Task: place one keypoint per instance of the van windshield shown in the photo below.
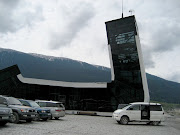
(124, 108)
(120, 106)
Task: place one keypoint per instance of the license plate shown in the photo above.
(32, 115)
(49, 114)
(5, 118)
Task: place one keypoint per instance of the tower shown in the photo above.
(128, 73)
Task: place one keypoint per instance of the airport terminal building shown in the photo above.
(129, 83)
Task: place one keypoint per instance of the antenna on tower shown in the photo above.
(122, 8)
(131, 11)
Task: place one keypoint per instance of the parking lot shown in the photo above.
(90, 125)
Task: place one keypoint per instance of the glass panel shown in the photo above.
(155, 108)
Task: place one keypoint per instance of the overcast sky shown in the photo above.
(76, 29)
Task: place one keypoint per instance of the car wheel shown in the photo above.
(28, 120)
(155, 123)
(56, 118)
(37, 118)
(2, 123)
(15, 117)
(124, 120)
(44, 119)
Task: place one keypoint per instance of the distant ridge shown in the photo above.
(64, 69)
(53, 68)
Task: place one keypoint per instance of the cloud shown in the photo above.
(163, 37)
(16, 14)
(159, 29)
(73, 22)
(175, 77)
(6, 12)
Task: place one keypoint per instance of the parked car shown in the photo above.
(5, 112)
(20, 112)
(57, 108)
(152, 113)
(42, 113)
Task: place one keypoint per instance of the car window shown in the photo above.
(134, 107)
(3, 101)
(121, 106)
(60, 105)
(33, 104)
(49, 104)
(155, 108)
(42, 104)
(14, 101)
(144, 107)
(25, 103)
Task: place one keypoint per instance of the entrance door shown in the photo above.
(145, 112)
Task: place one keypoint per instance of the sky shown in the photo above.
(75, 29)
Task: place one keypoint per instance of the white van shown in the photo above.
(152, 113)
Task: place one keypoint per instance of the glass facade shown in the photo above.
(121, 37)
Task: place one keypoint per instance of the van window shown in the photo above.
(155, 108)
(120, 106)
(134, 107)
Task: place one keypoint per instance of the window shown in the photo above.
(127, 37)
(155, 108)
(33, 104)
(14, 101)
(25, 103)
(42, 104)
(54, 105)
(3, 101)
(134, 107)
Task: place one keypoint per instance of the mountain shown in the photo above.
(53, 68)
(63, 69)
(163, 90)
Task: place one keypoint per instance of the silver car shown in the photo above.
(57, 108)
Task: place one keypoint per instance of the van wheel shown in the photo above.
(155, 123)
(15, 118)
(124, 120)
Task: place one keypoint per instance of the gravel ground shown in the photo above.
(90, 125)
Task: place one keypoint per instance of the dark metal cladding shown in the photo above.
(128, 85)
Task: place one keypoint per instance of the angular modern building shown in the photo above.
(128, 76)
(126, 60)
